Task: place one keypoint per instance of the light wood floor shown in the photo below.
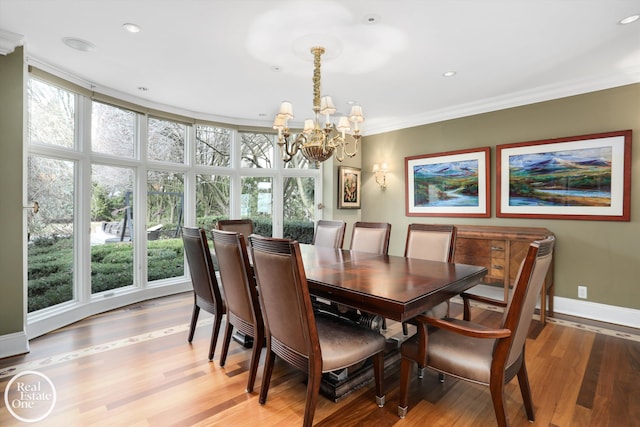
(134, 367)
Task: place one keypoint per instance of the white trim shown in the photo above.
(40, 326)
(572, 307)
(595, 311)
(13, 344)
(9, 42)
(511, 100)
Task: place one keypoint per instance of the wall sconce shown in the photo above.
(381, 174)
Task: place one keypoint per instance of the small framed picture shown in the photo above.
(349, 185)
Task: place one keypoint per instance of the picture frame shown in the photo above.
(451, 184)
(349, 187)
(586, 177)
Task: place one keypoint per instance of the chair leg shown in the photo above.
(194, 321)
(405, 372)
(313, 390)
(466, 310)
(525, 390)
(214, 335)
(266, 375)
(378, 373)
(497, 395)
(228, 333)
(258, 339)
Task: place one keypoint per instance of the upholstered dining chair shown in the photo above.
(312, 343)
(479, 354)
(433, 242)
(329, 233)
(241, 296)
(371, 237)
(206, 292)
(244, 226)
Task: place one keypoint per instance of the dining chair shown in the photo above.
(244, 226)
(206, 292)
(479, 354)
(241, 296)
(371, 237)
(329, 233)
(313, 343)
(433, 242)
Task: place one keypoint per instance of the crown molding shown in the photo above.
(9, 41)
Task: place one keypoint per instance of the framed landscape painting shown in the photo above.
(349, 186)
(582, 177)
(454, 183)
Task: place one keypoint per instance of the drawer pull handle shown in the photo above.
(498, 267)
(497, 248)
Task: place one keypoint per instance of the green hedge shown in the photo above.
(50, 261)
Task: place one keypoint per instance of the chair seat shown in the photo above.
(342, 342)
(456, 354)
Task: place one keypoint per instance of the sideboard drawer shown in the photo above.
(500, 250)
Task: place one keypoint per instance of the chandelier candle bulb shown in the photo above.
(315, 142)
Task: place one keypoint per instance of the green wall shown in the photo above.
(11, 249)
(603, 255)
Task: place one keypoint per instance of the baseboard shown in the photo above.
(595, 311)
(40, 324)
(577, 308)
(13, 344)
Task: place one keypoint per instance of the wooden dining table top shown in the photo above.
(394, 287)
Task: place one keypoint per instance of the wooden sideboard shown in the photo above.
(501, 250)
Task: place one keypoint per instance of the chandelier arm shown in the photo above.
(356, 139)
(316, 142)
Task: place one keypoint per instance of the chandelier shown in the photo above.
(318, 141)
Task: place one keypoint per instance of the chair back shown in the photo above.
(243, 226)
(433, 242)
(203, 276)
(521, 305)
(371, 237)
(329, 233)
(285, 301)
(239, 285)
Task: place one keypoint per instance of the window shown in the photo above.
(113, 130)
(134, 181)
(51, 115)
(213, 146)
(165, 210)
(51, 258)
(212, 199)
(166, 140)
(111, 227)
(257, 150)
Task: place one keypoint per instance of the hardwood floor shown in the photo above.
(134, 367)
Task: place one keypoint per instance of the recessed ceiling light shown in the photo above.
(79, 44)
(132, 28)
(629, 19)
(449, 74)
(371, 19)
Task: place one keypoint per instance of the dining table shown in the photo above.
(393, 287)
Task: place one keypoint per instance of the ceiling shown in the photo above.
(236, 60)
